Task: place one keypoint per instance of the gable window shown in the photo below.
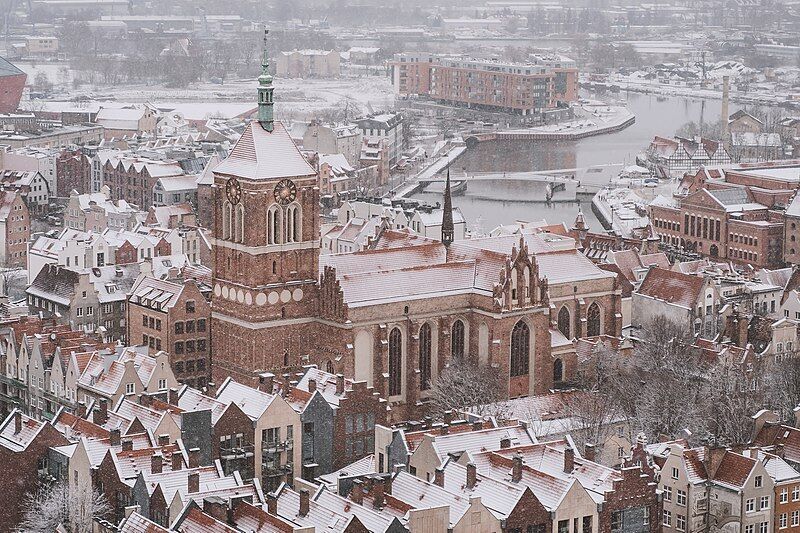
(130, 388)
(758, 481)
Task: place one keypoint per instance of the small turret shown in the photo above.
(265, 90)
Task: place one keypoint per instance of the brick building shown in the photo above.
(393, 316)
(543, 83)
(15, 230)
(173, 315)
(12, 83)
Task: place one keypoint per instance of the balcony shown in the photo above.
(242, 452)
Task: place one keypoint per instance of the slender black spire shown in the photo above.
(448, 230)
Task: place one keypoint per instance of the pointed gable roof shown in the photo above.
(263, 155)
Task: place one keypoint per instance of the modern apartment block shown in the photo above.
(543, 83)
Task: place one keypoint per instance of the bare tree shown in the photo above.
(464, 386)
(58, 504)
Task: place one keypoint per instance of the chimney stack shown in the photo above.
(726, 93)
(145, 400)
(266, 381)
(569, 460)
(312, 386)
(516, 469)
(589, 452)
(115, 436)
(304, 502)
(80, 412)
(156, 463)
(127, 445)
(357, 492)
(17, 422)
(216, 507)
(505, 443)
(438, 477)
(339, 383)
(194, 457)
(377, 494)
(448, 417)
(172, 397)
(101, 413)
(477, 426)
(445, 430)
(193, 484)
(472, 475)
(163, 440)
(177, 460)
(272, 504)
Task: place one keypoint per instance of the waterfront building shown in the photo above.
(308, 64)
(674, 157)
(544, 82)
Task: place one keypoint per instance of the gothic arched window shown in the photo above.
(565, 322)
(292, 224)
(274, 225)
(520, 349)
(329, 367)
(558, 371)
(457, 340)
(226, 220)
(425, 357)
(593, 320)
(239, 230)
(395, 362)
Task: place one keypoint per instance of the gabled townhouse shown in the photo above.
(741, 492)
(300, 509)
(15, 229)
(96, 212)
(24, 445)
(31, 186)
(277, 426)
(374, 520)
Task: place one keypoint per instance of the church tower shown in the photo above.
(265, 246)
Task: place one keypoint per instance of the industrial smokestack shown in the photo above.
(726, 94)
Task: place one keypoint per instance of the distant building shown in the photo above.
(545, 82)
(31, 186)
(12, 83)
(343, 139)
(15, 230)
(387, 128)
(41, 160)
(674, 157)
(308, 64)
(127, 121)
(96, 212)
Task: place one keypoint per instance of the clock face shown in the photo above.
(285, 192)
(233, 190)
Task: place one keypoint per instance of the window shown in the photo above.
(178, 328)
(667, 493)
(201, 325)
(189, 327)
(796, 493)
(795, 518)
(680, 522)
(558, 375)
(130, 388)
(79, 311)
(90, 311)
(784, 497)
(750, 528)
(565, 322)
(616, 520)
(667, 521)
(593, 320)
(674, 473)
(201, 346)
(162, 384)
(681, 497)
(758, 481)
(190, 306)
(189, 346)
(764, 503)
(425, 357)
(395, 362)
(750, 505)
(520, 349)
(158, 324)
(144, 320)
(457, 340)
(763, 527)
(587, 524)
(563, 526)
(178, 348)
(783, 521)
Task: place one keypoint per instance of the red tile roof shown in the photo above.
(672, 287)
(734, 469)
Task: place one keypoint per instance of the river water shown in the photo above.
(655, 115)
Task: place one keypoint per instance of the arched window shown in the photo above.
(274, 225)
(558, 371)
(329, 367)
(425, 357)
(395, 362)
(457, 340)
(239, 231)
(593, 320)
(297, 223)
(565, 322)
(226, 220)
(520, 349)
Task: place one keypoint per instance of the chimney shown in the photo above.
(357, 492)
(713, 458)
(266, 381)
(80, 412)
(172, 397)
(589, 452)
(438, 477)
(194, 457)
(216, 507)
(339, 383)
(472, 475)
(505, 443)
(477, 426)
(156, 463)
(127, 445)
(448, 417)
(211, 388)
(444, 430)
(193, 483)
(304, 502)
(377, 494)
(312, 386)
(177, 460)
(115, 436)
(101, 413)
(17, 422)
(726, 91)
(145, 400)
(272, 504)
(569, 460)
(516, 469)
(779, 450)
(163, 440)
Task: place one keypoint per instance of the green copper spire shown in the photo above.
(265, 101)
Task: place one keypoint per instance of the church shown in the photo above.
(395, 315)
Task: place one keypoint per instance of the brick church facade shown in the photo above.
(393, 316)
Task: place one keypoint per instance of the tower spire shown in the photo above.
(448, 229)
(265, 89)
